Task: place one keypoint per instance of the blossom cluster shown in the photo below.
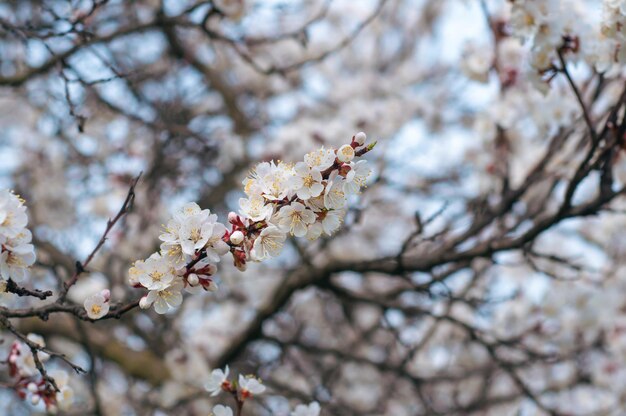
(305, 199)
(559, 25)
(17, 254)
(30, 384)
(244, 388)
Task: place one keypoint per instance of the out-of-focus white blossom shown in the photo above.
(249, 386)
(17, 254)
(221, 410)
(311, 409)
(217, 381)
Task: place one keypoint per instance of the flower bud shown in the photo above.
(360, 138)
(236, 238)
(233, 218)
(106, 294)
(32, 387)
(345, 153)
(35, 399)
(144, 303)
(192, 279)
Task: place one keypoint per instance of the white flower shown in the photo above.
(312, 409)
(97, 305)
(314, 232)
(22, 356)
(189, 230)
(215, 246)
(17, 255)
(360, 138)
(332, 221)
(65, 395)
(307, 182)
(155, 273)
(166, 299)
(316, 204)
(13, 216)
(477, 61)
(268, 243)
(320, 159)
(250, 386)
(220, 410)
(255, 208)
(217, 380)
(334, 195)
(273, 179)
(295, 218)
(345, 153)
(194, 233)
(355, 179)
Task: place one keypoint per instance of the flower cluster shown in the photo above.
(559, 26)
(303, 199)
(192, 243)
(17, 251)
(244, 388)
(30, 384)
(306, 199)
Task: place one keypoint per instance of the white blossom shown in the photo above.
(334, 195)
(320, 159)
(355, 179)
(307, 181)
(155, 273)
(268, 243)
(255, 208)
(166, 299)
(221, 410)
(312, 409)
(332, 221)
(250, 386)
(65, 395)
(295, 218)
(17, 255)
(217, 380)
(97, 305)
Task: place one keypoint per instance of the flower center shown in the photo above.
(95, 309)
(196, 235)
(156, 275)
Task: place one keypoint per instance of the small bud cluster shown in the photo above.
(305, 199)
(17, 254)
(30, 384)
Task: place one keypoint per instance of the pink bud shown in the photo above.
(233, 218)
(106, 294)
